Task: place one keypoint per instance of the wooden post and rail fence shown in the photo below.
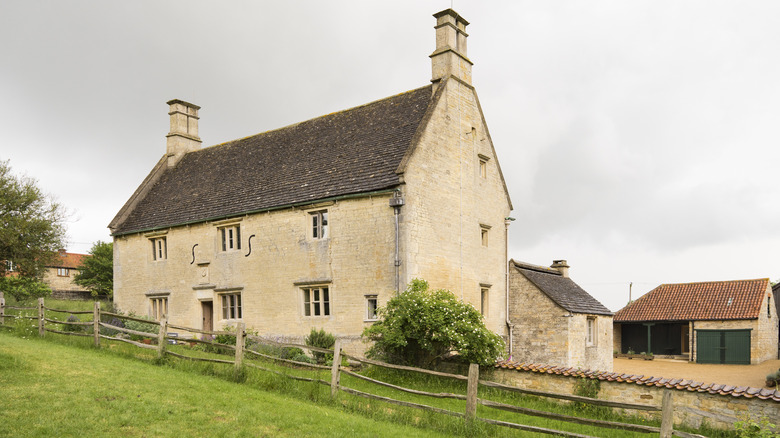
(165, 338)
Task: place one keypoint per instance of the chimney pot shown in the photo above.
(562, 267)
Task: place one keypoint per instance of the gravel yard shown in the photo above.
(737, 375)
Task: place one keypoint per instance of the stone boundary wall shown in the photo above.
(694, 404)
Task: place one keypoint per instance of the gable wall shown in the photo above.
(57, 283)
(357, 259)
(447, 200)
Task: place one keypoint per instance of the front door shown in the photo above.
(208, 315)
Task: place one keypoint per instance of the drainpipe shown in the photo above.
(396, 202)
(508, 220)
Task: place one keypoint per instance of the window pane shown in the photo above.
(306, 303)
(324, 224)
(224, 243)
(326, 309)
(238, 237)
(154, 251)
(238, 305)
(314, 226)
(316, 306)
(224, 307)
(371, 308)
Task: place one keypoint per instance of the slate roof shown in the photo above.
(67, 260)
(348, 152)
(711, 300)
(563, 291)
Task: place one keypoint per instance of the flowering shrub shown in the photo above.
(420, 327)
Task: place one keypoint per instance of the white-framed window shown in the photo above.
(591, 331)
(484, 233)
(319, 224)
(231, 306)
(63, 272)
(484, 300)
(316, 301)
(371, 306)
(159, 248)
(230, 237)
(9, 265)
(158, 307)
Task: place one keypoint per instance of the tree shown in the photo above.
(420, 327)
(96, 273)
(31, 232)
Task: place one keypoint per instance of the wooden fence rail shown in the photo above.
(240, 351)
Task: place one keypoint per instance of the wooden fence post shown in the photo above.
(96, 323)
(41, 329)
(471, 392)
(161, 337)
(335, 370)
(667, 415)
(240, 333)
(2, 308)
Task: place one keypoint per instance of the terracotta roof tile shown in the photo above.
(712, 300)
(677, 384)
(67, 260)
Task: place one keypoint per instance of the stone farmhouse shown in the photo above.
(59, 275)
(554, 321)
(731, 322)
(316, 224)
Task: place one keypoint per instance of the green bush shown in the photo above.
(146, 327)
(303, 358)
(24, 288)
(322, 339)
(749, 427)
(420, 327)
(73, 328)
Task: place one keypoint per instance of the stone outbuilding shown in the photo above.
(316, 224)
(59, 275)
(554, 321)
(722, 322)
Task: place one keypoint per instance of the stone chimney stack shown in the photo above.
(183, 137)
(562, 267)
(449, 58)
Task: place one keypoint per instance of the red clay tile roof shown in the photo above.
(679, 384)
(67, 260)
(712, 300)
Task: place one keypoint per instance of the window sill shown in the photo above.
(370, 320)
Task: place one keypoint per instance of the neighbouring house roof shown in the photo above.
(562, 290)
(344, 153)
(67, 260)
(711, 300)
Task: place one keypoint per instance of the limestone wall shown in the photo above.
(691, 408)
(449, 202)
(64, 283)
(354, 261)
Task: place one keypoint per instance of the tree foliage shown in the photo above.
(24, 288)
(420, 327)
(31, 225)
(96, 273)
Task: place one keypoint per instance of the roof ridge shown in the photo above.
(310, 120)
(714, 281)
(538, 268)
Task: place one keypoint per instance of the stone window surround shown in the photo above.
(372, 304)
(159, 241)
(228, 235)
(484, 233)
(591, 331)
(231, 303)
(318, 224)
(323, 303)
(156, 299)
(484, 299)
(483, 160)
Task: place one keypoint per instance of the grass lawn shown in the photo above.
(58, 390)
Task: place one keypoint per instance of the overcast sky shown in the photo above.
(639, 139)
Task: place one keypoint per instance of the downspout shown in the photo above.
(509, 324)
(396, 202)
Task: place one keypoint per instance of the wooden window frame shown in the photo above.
(591, 331)
(372, 304)
(159, 248)
(232, 306)
(319, 225)
(230, 238)
(316, 301)
(63, 272)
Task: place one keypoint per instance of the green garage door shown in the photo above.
(723, 346)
